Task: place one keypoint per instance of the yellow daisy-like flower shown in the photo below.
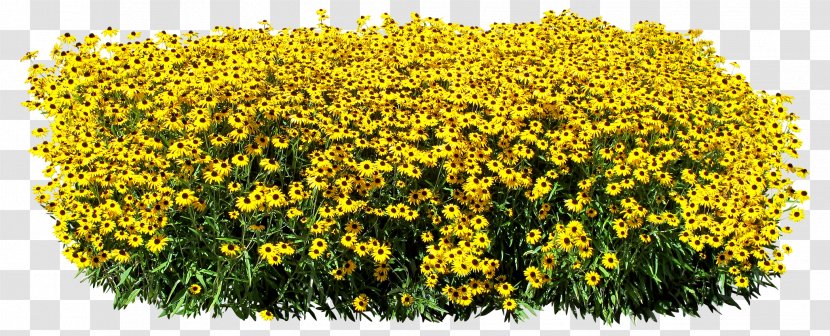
(533, 236)
(532, 273)
(509, 304)
(609, 260)
(317, 248)
(361, 302)
(230, 250)
(796, 215)
(565, 242)
(274, 260)
(504, 289)
(133, 35)
(270, 165)
(592, 278)
(741, 281)
(120, 256)
(407, 299)
(348, 239)
(245, 204)
(267, 250)
(427, 237)
(135, 240)
(157, 243)
(548, 261)
(266, 315)
(195, 289)
(240, 160)
(338, 273)
(186, 197)
(451, 211)
(382, 254)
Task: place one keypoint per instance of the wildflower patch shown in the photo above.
(415, 171)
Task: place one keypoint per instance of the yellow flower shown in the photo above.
(451, 211)
(317, 248)
(796, 215)
(134, 35)
(266, 315)
(29, 55)
(532, 273)
(382, 254)
(270, 165)
(338, 273)
(504, 289)
(509, 304)
(240, 160)
(230, 250)
(565, 242)
(592, 278)
(741, 281)
(267, 250)
(407, 299)
(157, 243)
(548, 261)
(426, 237)
(135, 240)
(361, 303)
(533, 236)
(245, 204)
(186, 197)
(609, 260)
(195, 289)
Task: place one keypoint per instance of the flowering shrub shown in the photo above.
(416, 171)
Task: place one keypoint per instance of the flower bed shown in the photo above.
(416, 171)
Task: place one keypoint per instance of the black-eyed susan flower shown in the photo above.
(609, 260)
(245, 204)
(338, 273)
(592, 278)
(186, 197)
(382, 254)
(267, 250)
(266, 315)
(509, 304)
(317, 248)
(157, 243)
(533, 236)
(230, 250)
(195, 289)
(427, 237)
(361, 302)
(504, 289)
(796, 215)
(548, 261)
(407, 299)
(741, 281)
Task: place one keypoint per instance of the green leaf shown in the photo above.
(246, 257)
(172, 290)
(180, 302)
(124, 275)
(132, 296)
(201, 279)
(164, 265)
(435, 307)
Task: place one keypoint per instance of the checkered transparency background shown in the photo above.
(781, 46)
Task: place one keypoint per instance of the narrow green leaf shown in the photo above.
(132, 296)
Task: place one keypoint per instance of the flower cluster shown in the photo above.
(428, 169)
